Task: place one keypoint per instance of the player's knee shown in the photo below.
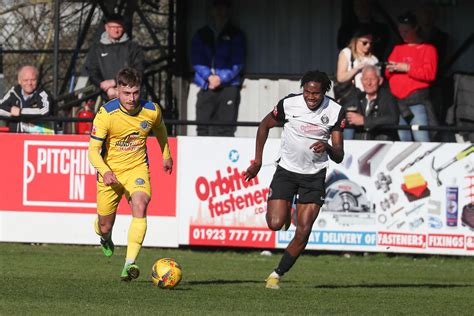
(275, 223)
(139, 205)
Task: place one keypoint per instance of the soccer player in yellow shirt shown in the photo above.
(117, 149)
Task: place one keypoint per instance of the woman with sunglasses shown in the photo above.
(350, 63)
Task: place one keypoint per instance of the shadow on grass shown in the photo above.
(217, 282)
(377, 286)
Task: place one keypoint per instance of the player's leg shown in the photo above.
(140, 192)
(311, 189)
(103, 227)
(108, 198)
(307, 214)
(277, 213)
(282, 190)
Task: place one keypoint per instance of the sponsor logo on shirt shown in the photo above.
(314, 130)
(130, 143)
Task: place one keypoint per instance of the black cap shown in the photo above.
(363, 30)
(117, 18)
(408, 18)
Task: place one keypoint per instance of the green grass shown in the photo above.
(79, 280)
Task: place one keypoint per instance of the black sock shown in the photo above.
(286, 262)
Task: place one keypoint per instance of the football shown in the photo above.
(166, 273)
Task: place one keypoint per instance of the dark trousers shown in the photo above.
(221, 105)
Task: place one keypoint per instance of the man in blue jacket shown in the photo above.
(218, 53)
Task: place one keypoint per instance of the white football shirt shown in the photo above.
(302, 128)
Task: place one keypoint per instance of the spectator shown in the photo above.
(114, 51)
(217, 56)
(363, 13)
(412, 67)
(27, 99)
(377, 107)
(351, 61)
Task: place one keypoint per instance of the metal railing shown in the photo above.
(177, 122)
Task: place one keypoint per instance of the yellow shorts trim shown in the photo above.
(131, 181)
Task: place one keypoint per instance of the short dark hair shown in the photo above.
(317, 76)
(115, 17)
(129, 77)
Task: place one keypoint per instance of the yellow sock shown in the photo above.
(136, 234)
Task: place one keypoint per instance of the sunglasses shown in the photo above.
(365, 43)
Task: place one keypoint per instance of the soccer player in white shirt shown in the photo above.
(309, 120)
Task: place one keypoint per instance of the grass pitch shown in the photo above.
(79, 280)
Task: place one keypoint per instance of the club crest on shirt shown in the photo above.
(324, 119)
(144, 124)
(139, 181)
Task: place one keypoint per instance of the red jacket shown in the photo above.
(423, 61)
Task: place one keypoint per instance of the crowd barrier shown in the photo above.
(384, 197)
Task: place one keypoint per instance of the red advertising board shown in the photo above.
(446, 241)
(231, 236)
(470, 243)
(403, 240)
(51, 173)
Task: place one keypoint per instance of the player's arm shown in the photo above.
(336, 150)
(162, 135)
(98, 136)
(268, 122)
(97, 161)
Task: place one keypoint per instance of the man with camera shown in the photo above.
(376, 107)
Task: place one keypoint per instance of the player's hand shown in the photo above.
(15, 111)
(319, 147)
(354, 118)
(252, 171)
(109, 178)
(168, 165)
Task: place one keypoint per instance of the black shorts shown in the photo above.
(308, 188)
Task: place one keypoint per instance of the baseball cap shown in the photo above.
(408, 18)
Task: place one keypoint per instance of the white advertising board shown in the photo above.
(384, 197)
(216, 206)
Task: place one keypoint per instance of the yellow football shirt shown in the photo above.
(118, 138)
